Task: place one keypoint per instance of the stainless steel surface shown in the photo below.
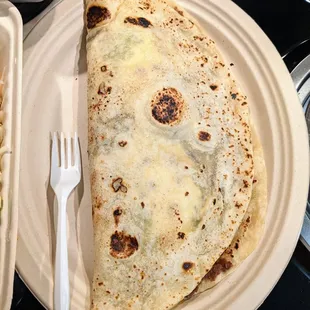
(301, 78)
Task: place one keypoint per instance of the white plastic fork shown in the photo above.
(65, 176)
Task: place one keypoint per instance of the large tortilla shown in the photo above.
(170, 151)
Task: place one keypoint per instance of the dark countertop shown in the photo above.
(286, 22)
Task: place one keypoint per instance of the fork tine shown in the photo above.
(55, 152)
(69, 151)
(62, 150)
(77, 156)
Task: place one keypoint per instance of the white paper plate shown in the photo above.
(55, 99)
(11, 74)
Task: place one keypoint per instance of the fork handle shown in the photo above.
(61, 284)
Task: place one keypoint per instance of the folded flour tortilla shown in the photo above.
(170, 152)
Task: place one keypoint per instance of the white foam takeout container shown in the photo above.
(11, 75)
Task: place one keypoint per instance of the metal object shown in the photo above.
(301, 78)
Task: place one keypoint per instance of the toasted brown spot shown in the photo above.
(181, 235)
(123, 245)
(117, 184)
(122, 143)
(167, 106)
(96, 14)
(204, 136)
(214, 201)
(104, 68)
(221, 265)
(187, 193)
(245, 183)
(238, 205)
(248, 219)
(138, 21)
(117, 213)
(213, 87)
(100, 283)
(203, 226)
(187, 266)
(234, 96)
(236, 245)
(179, 11)
(142, 204)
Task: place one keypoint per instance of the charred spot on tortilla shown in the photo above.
(104, 68)
(204, 136)
(221, 265)
(238, 205)
(213, 87)
(187, 266)
(123, 245)
(122, 143)
(117, 184)
(181, 235)
(96, 14)
(179, 11)
(245, 183)
(233, 96)
(138, 21)
(168, 106)
(117, 213)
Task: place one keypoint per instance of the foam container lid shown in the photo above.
(10, 122)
